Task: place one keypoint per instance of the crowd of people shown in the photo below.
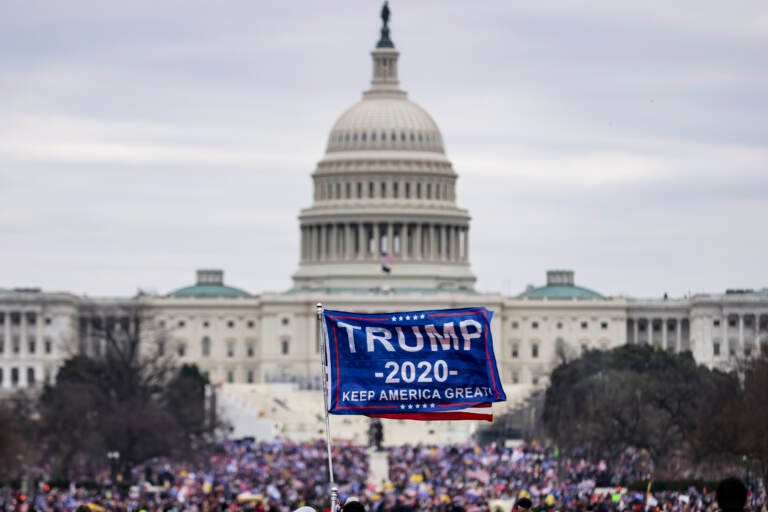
(283, 476)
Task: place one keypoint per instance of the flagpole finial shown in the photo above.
(319, 308)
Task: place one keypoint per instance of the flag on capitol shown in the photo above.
(420, 365)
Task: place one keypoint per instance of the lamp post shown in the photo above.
(114, 458)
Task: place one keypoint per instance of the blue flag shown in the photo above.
(424, 365)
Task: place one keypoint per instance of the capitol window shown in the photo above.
(373, 136)
(349, 190)
(603, 325)
(383, 189)
(359, 190)
(402, 136)
(230, 349)
(716, 349)
(418, 191)
(584, 325)
(206, 349)
(535, 351)
(407, 190)
(395, 190)
(363, 137)
(515, 350)
(534, 325)
(716, 322)
(429, 191)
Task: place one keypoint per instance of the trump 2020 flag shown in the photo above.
(422, 365)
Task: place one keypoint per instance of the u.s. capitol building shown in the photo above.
(384, 232)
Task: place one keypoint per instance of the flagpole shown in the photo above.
(324, 363)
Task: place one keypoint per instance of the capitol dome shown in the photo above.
(385, 122)
(384, 213)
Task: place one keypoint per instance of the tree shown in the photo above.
(749, 416)
(116, 399)
(633, 396)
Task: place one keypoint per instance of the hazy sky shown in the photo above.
(624, 140)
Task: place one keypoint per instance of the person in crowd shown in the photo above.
(523, 505)
(731, 495)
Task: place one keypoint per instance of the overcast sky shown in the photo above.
(142, 140)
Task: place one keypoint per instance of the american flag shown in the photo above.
(386, 261)
(478, 412)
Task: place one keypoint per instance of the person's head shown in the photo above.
(83, 508)
(523, 504)
(352, 504)
(731, 495)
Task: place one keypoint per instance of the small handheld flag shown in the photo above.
(422, 365)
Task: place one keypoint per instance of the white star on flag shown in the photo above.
(407, 317)
(410, 406)
(401, 318)
(394, 318)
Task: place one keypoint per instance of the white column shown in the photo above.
(466, 243)
(348, 242)
(22, 334)
(724, 326)
(636, 331)
(391, 238)
(433, 242)
(741, 335)
(664, 333)
(361, 241)
(7, 338)
(456, 243)
(444, 243)
(406, 251)
(679, 337)
(417, 242)
(323, 239)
